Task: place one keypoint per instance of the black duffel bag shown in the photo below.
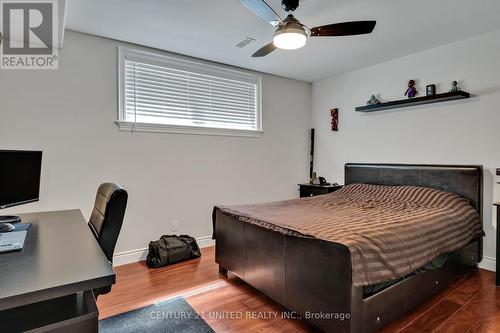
(170, 249)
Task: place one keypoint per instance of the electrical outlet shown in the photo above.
(175, 226)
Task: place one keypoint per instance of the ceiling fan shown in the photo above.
(291, 34)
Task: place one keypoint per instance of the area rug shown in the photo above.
(174, 315)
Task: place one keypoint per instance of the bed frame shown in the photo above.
(313, 277)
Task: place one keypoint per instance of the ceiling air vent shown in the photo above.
(245, 42)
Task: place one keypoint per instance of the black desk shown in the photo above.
(59, 265)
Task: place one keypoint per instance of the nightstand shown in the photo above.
(309, 190)
(498, 242)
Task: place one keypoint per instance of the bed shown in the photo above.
(315, 277)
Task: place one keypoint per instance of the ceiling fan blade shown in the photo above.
(263, 10)
(344, 29)
(264, 51)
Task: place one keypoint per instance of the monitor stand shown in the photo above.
(10, 219)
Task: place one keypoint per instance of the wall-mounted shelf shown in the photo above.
(450, 96)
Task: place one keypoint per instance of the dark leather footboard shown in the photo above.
(308, 276)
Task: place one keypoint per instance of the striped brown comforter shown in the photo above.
(390, 231)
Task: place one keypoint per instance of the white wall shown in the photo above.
(460, 132)
(69, 114)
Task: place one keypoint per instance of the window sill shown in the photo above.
(178, 129)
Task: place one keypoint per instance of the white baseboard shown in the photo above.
(128, 257)
(206, 241)
(488, 264)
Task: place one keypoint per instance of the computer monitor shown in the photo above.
(19, 177)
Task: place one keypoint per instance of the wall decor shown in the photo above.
(312, 174)
(411, 91)
(373, 101)
(430, 90)
(335, 119)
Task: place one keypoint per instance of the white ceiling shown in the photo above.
(210, 29)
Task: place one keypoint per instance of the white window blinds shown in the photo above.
(194, 95)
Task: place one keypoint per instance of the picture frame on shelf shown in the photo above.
(430, 90)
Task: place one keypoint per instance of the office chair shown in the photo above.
(106, 221)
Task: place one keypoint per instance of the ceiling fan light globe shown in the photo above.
(290, 38)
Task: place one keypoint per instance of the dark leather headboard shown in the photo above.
(465, 180)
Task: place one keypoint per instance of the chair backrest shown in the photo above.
(107, 216)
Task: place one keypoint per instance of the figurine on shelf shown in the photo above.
(454, 86)
(373, 101)
(411, 91)
(314, 179)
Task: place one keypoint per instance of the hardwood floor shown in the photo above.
(137, 285)
(470, 305)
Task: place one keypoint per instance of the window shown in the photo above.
(166, 94)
